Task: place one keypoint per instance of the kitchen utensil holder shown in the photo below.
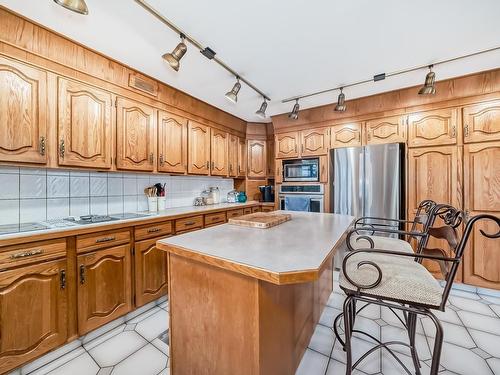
(153, 204)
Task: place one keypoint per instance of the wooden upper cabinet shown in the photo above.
(242, 157)
(33, 312)
(104, 287)
(84, 115)
(314, 142)
(345, 135)
(150, 272)
(386, 130)
(287, 145)
(432, 174)
(482, 196)
(135, 135)
(219, 153)
(23, 113)
(198, 148)
(433, 128)
(233, 156)
(172, 143)
(481, 122)
(270, 158)
(257, 160)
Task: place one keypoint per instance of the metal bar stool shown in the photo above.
(394, 279)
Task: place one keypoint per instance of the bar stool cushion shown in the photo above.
(381, 243)
(403, 279)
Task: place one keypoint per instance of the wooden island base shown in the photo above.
(223, 322)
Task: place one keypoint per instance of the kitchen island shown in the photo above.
(246, 300)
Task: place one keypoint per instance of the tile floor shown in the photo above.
(139, 345)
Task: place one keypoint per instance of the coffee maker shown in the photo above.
(267, 193)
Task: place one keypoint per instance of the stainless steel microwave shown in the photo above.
(301, 170)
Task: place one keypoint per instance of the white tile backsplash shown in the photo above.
(34, 194)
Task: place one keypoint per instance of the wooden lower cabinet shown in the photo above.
(33, 312)
(266, 208)
(482, 196)
(150, 272)
(104, 287)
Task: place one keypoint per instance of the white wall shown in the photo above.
(29, 194)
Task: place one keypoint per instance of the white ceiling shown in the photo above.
(285, 47)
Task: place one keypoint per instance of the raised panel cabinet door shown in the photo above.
(198, 148)
(314, 142)
(386, 130)
(104, 287)
(242, 157)
(433, 174)
(84, 125)
(219, 153)
(270, 158)
(233, 156)
(482, 195)
(433, 128)
(172, 143)
(345, 135)
(33, 312)
(481, 122)
(23, 113)
(135, 135)
(287, 145)
(257, 158)
(150, 272)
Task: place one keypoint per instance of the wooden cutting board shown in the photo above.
(261, 220)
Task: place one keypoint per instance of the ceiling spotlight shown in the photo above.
(175, 57)
(341, 106)
(428, 87)
(294, 115)
(262, 110)
(232, 95)
(77, 6)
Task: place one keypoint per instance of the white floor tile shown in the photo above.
(392, 367)
(147, 313)
(312, 363)
(153, 325)
(462, 361)
(391, 333)
(367, 325)
(63, 354)
(475, 306)
(494, 364)
(480, 322)
(322, 340)
(160, 345)
(74, 363)
(370, 364)
(147, 361)
(455, 334)
(117, 348)
(486, 341)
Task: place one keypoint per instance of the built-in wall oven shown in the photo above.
(301, 170)
(314, 193)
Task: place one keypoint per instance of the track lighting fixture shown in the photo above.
(176, 55)
(294, 115)
(232, 95)
(77, 6)
(262, 110)
(341, 107)
(428, 87)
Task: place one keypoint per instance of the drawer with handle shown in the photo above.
(256, 209)
(93, 241)
(235, 213)
(189, 223)
(153, 230)
(213, 219)
(14, 256)
(247, 210)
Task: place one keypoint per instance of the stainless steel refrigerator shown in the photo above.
(368, 181)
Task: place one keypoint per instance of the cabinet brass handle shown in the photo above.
(466, 130)
(82, 274)
(63, 279)
(154, 230)
(453, 131)
(151, 158)
(105, 239)
(161, 159)
(42, 146)
(208, 164)
(25, 254)
(189, 223)
(62, 148)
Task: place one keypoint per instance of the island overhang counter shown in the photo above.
(246, 300)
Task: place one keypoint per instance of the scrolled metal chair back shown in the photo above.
(423, 214)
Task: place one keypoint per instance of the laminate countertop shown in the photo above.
(292, 252)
